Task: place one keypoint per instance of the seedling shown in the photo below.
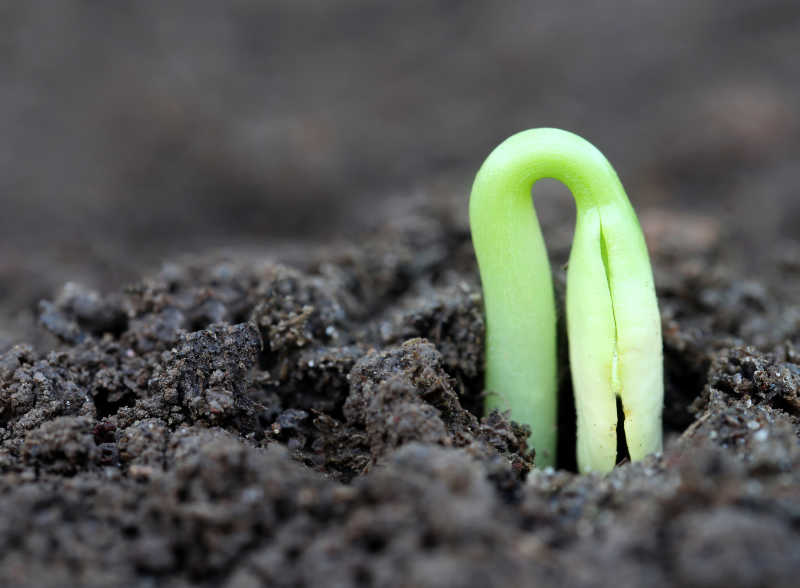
(613, 324)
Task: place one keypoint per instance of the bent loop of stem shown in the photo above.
(613, 324)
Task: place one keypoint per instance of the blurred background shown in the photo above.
(131, 133)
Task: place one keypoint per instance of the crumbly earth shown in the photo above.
(245, 422)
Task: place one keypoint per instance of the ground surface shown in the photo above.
(246, 422)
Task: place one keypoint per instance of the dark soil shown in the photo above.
(243, 422)
(306, 410)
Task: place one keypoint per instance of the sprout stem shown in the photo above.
(613, 324)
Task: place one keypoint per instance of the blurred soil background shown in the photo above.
(133, 134)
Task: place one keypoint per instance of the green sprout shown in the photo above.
(613, 323)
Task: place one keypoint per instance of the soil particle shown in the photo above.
(742, 372)
(451, 317)
(79, 312)
(202, 379)
(403, 394)
(64, 445)
(407, 386)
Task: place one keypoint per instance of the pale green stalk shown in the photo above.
(613, 324)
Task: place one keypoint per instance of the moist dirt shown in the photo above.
(315, 420)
